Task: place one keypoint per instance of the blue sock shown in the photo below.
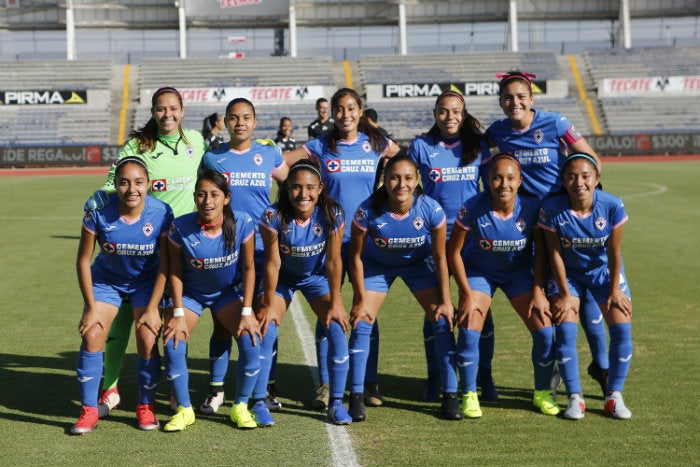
(468, 357)
(373, 357)
(147, 375)
(247, 368)
(338, 360)
(273, 366)
(89, 371)
(620, 355)
(176, 371)
(594, 326)
(429, 344)
(219, 354)
(266, 348)
(487, 343)
(567, 356)
(321, 353)
(543, 356)
(445, 354)
(358, 347)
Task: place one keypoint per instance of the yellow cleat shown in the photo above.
(470, 405)
(242, 417)
(543, 401)
(181, 420)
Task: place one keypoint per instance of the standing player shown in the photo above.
(250, 168)
(449, 157)
(212, 125)
(324, 122)
(211, 265)
(172, 155)
(133, 263)
(349, 157)
(540, 141)
(499, 230)
(284, 139)
(583, 229)
(302, 235)
(399, 232)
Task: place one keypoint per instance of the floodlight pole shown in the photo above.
(403, 48)
(512, 26)
(292, 29)
(70, 31)
(182, 20)
(624, 38)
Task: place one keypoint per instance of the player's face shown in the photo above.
(241, 122)
(210, 201)
(168, 113)
(401, 181)
(287, 128)
(132, 185)
(324, 111)
(504, 180)
(449, 114)
(580, 179)
(515, 101)
(347, 116)
(304, 188)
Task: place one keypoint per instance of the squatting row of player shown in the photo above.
(181, 227)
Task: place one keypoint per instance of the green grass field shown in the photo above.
(39, 401)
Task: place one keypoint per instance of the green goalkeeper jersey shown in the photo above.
(172, 168)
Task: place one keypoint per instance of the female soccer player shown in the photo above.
(449, 158)
(399, 232)
(132, 262)
(172, 154)
(583, 230)
(212, 125)
(349, 157)
(302, 235)
(211, 265)
(491, 247)
(540, 141)
(284, 139)
(250, 168)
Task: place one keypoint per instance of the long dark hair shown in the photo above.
(208, 124)
(325, 203)
(229, 224)
(380, 195)
(280, 135)
(147, 135)
(470, 133)
(376, 139)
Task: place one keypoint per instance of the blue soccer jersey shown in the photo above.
(302, 246)
(207, 268)
(583, 239)
(347, 174)
(395, 241)
(128, 249)
(501, 246)
(538, 148)
(444, 177)
(249, 174)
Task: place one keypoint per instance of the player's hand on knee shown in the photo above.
(96, 201)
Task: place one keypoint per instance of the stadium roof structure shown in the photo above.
(165, 14)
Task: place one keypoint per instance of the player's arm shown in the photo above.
(248, 323)
(539, 303)
(151, 317)
(273, 261)
(175, 325)
(86, 248)
(466, 304)
(357, 275)
(290, 157)
(617, 297)
(334, 273)
(438, 238)
(561, 303)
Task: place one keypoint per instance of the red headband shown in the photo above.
(163, 91)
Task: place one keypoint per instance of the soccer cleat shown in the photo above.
(555, 381)
(431, 393)
(181, 420)
(212, 403)
(576, 408)
(146, 417)
(615, 406)
(271, 399)
(337, 414)
(108, 400)
(600, 375)
(451, 409)
(357, 407)
(372, 396)
(320, 402)
(240, 415)
(470, 405)
(488, 387)
(261, 414)
(543, 401)
(86, 422)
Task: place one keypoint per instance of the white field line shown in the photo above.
(343, 455)
(656, 189)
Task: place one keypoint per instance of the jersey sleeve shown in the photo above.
(566, 131)
(174, 235)
(544, 218)
(464, 216)
(270, 219)
(245, 224)
(437, 214)
(362, 215)
(168, 219)
(90, 222)
(618, 213)
(338, 220)
(315, 148)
